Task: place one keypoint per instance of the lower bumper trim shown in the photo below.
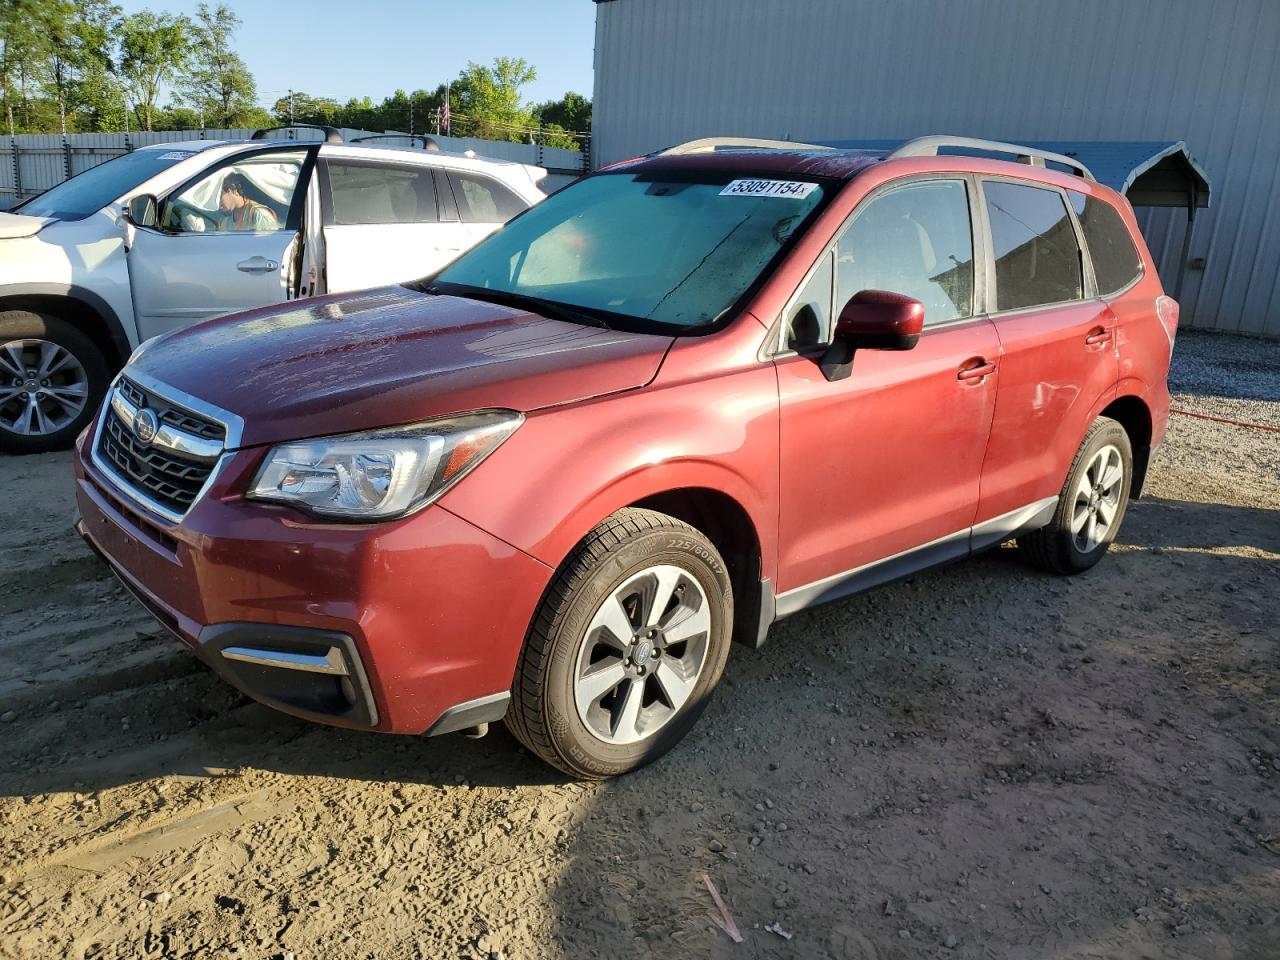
(473, 713)
(309, 673)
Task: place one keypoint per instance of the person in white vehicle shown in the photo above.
(176, 233)
(241, 212)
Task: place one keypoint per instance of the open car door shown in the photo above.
(227, 241)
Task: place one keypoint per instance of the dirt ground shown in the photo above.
(978, 762)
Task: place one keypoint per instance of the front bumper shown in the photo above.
(410, 626)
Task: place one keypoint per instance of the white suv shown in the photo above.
(172, 234)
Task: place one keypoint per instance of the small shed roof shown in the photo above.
(1149, 173)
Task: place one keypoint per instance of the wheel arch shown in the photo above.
(1132, 413)
(82, 308)
(717, 502)
(728, 525)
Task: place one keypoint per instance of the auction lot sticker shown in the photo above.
(769, 188)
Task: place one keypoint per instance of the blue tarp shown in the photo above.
(1150, 173)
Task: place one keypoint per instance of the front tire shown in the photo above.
(1091, 506)
(52, 378)
(626, 648)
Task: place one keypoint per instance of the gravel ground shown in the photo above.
(978, 762)
(1233, 377)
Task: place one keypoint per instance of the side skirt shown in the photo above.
(954, 546)
(1015, 523)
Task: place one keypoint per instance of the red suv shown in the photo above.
(685, 397)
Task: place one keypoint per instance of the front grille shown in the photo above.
(176, 417)
(164, 477)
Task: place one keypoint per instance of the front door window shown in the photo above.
(915, 240)
(252, 195)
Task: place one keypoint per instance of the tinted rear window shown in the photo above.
(1034, 244)
(376, 193)
(1116, 263)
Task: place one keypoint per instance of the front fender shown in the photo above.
(568, 468)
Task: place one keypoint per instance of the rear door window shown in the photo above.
(1116, 263)
(481, 200)
(366, 193)
(1033, 241)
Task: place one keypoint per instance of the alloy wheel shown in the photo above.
(642, 654)
(43, 387)
(1097, 499)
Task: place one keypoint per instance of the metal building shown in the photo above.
(1203, 71)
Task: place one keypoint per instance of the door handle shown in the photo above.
(257, 265)
(979, 370)
(1098, 335)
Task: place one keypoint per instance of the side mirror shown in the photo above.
(142, 211)
(872, 320)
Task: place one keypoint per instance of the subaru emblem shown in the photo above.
(145, 425)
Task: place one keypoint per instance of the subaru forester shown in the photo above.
(687, 396)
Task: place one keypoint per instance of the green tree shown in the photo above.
(426, 106)
(361, 113)
(304, 108)
(58, 65)
(177, 117)
(154, 48)
(486, 100)
(217, 84)
(99, 95)
(571, 112)
(24, 47)
(77, 68)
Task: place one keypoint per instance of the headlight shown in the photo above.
(383, 473)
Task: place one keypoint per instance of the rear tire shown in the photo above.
(626, 648)
(52, 378)
(1091, 506)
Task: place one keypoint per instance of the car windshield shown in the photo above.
(89, 192)
(642, 250)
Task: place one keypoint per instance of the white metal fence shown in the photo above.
(32, 163)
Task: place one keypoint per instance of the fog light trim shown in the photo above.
(331, 663)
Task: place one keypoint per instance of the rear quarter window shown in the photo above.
(1116, 262)
(481, 200)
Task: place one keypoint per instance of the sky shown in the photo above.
(343, 49)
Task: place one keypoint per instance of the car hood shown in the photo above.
(14, 225)
(390, 356)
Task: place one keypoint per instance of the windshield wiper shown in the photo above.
(549, 308)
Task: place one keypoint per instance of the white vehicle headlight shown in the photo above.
(383, 473)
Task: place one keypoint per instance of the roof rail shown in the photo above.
(428, 143)
(712, 144)
(929, 147)
(331, 134)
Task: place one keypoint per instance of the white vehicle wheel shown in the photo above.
(52, 378)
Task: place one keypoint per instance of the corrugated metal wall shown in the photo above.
(31, 163)
(1204, 71)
